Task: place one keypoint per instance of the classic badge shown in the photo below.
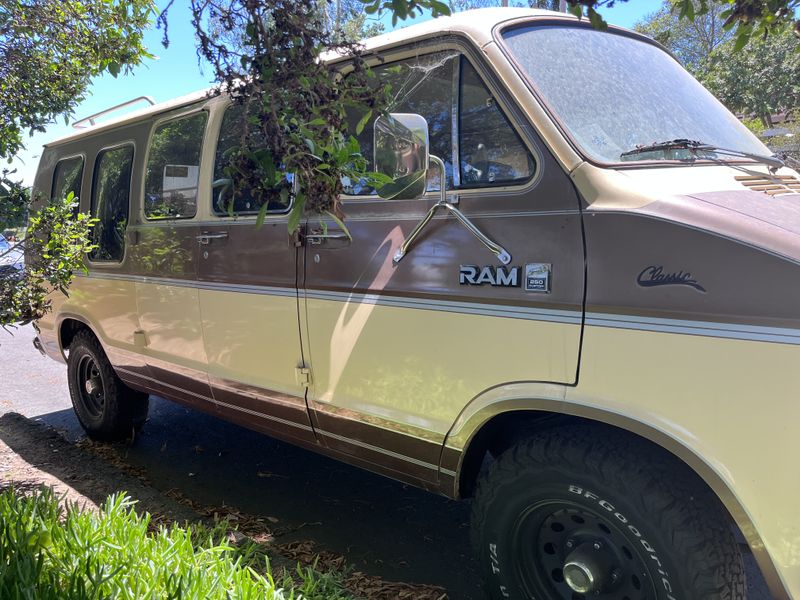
(537, 277)
(655, 275)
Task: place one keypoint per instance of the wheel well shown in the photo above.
(68, 330)
(506, 429)
(498, 435)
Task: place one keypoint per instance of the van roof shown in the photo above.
(475, 24)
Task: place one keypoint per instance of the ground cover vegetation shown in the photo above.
(49, 551)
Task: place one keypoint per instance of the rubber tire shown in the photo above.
(683, 521)
(124, 411)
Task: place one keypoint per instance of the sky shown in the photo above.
(175, 71)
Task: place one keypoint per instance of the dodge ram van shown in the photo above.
(586, 317)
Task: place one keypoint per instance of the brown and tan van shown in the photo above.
(587, 319)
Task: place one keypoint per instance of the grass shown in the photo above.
(50, 552)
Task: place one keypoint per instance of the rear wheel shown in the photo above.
(567, 515)
(107, 409)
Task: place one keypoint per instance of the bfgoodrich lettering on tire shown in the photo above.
(573, 514)
(107, 409)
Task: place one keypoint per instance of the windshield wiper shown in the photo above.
(694, 146)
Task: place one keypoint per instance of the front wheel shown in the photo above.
(107, 409)
(567, 515)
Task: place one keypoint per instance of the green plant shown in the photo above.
(47, 552)
(56, 242)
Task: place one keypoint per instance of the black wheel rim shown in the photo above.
(557, 538)
(91, 387)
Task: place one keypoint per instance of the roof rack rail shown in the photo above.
(81, 123)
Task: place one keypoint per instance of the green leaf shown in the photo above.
(296, 214)
(262, 213)
(741, 40)
(363, 122)
(597, 21)
(340, 223)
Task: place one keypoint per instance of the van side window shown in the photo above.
(491, 151)
(173, 168)
(245, 201)
(111, 190)
(67, 177)
(422, 85)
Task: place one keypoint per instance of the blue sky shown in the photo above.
(175, 72)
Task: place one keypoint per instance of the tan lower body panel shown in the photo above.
(416, 369)
(734, 404)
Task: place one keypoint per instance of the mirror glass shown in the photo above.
(401, 152)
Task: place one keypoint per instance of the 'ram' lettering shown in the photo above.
(496, 276)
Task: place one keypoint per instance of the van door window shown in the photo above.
(422, 85)
(491, 151)
(67, 177)
(173, 168)
(111, 191)
(246, 201)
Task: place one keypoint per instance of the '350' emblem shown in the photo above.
(536, 276)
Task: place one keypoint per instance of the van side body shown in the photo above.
(670, 311)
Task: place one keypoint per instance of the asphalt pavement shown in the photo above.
(380, 526)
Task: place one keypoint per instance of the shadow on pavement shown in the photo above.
(380, 526)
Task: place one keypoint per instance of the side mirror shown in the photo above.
(401, 152)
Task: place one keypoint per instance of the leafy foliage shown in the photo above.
(747, 18)
(297, 104)
(14, 201)
(50, 553)
(691, 40)
(763, 80)
(54, 248)
(50, 50)
(346, 20)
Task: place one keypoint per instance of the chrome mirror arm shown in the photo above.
(502, 255)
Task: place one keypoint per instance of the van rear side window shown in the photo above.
(173, 168)
(111, 190)
(67, 178)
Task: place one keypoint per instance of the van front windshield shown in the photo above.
(617, 96)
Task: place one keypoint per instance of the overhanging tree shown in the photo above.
(762, 81)
(49, 52)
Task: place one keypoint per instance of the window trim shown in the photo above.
(129, 142)
(183, 114)
(513, 113)
(82, 156)
(270, 215)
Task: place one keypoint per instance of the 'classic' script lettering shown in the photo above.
(653, 276)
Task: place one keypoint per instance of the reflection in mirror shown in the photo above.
(401, 152)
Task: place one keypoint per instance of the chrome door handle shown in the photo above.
(315, 239)
(205, 238)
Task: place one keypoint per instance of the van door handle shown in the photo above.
(205, 238)
(315, 239)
